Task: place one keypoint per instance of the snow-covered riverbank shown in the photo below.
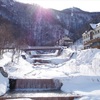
(79, 74)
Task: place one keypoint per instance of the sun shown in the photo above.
(49, 4)
(44, 4)
(55, 4)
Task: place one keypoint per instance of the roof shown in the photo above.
(66, 38)
(93, 26)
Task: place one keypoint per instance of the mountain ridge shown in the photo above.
(39, 26)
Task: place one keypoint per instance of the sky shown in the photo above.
(86, 5)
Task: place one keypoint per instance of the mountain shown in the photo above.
(39, 26)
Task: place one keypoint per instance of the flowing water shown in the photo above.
(36, 89)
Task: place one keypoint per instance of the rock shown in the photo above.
(3, 72)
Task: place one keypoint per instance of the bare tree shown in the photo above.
(7, 40)
(6, 37)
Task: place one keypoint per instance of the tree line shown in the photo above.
(8, 41)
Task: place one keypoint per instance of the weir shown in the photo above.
(36, 89)
(35, 84)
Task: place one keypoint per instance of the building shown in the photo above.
(91, 39)
(65, 41)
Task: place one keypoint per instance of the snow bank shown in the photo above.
(19, 69)
(86, 62)
(89, 98)
(3, 84)
(16, 69)
(82, 73)
(83, 85)
(6, 58)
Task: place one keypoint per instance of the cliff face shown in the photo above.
(39, 26)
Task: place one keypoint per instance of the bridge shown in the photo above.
(42, 48)
(35, 48)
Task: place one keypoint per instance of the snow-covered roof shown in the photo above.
(65, 38)
(94, 25)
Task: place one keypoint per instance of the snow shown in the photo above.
(94, 25)
(58, 17)
(18, 70)
(4, 82)
(78, 45)
(89, 98)
(83, 85)
(6, 57)
(78, 70)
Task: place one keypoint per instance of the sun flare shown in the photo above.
(59, 5)
(52, 4)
